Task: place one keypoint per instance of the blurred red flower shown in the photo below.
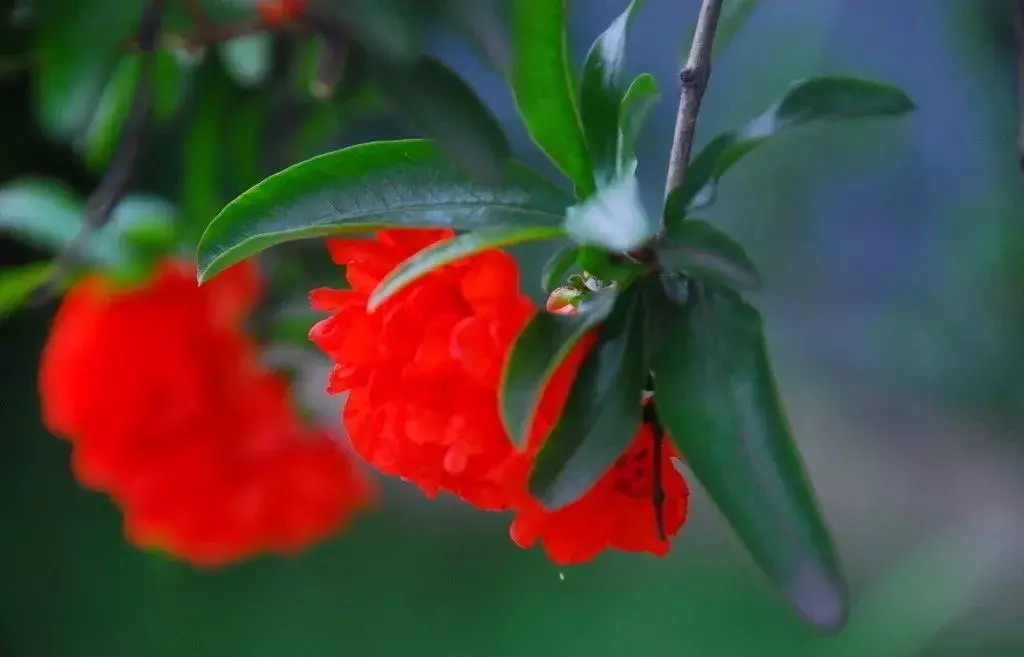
(275, 12)
(169, 411)
(422, 375)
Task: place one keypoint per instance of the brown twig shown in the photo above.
(694, 78)
(1018, 31)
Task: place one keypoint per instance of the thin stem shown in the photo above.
(694, 78)
(112, 187)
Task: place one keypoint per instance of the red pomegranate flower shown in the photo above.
(422, 374)
(169, 412)
(275, 12)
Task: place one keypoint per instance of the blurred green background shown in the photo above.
(894, 299)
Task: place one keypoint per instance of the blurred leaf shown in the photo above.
(438, 104)
(74, 52)
(390, 27)
(104, 131)
(814, 99)
(734, 14)
(558, 267)
(603, 413)
(457, 248)
(539, 349)
(19, 282)
(42, 213)
(601, 94)
(398, 183)
(614, 218)
(482, 23)
(202, 164)
(244, 156)
(717, 398)
(544, 90)
(641, 95)
(608, 267)
(247, 58)
(699, 249)
(293, 327)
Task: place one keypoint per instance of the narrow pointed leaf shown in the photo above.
(539, 349)
(544, 89)
(614, 218)
(42, 213)
(602, 90)
(603, 412)
(807, 101)
(395, 184)
(438, 104)
(699, 249)
(19, 282)
(717, 397)
(558, 267)
(641, 95)
(456, 248)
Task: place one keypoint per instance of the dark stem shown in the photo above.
(657, 486)
(112, 187)
(694, 78)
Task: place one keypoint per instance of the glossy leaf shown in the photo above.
(601, 94)
(641, 95)
(603, 413)
(543, 85)
(456, 248)
(614, 218)
(716, 396)
(19, 282)
(397, 183)
(699, 249)
(539, 349)
(558, 267)
(807, 101)
(438, 104)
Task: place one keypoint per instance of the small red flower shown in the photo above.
(422, 375)
(275, 12)
(169, 412)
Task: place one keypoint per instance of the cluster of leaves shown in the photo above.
(227, 97)
(664, 289)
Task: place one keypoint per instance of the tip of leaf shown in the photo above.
(819, 596)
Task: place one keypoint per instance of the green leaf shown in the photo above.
(641, 95)
(558, 267)
(699, 249)
(601, 94)
(247, 59)
(396, 183)
(544, 89)
(807, 101)
(456, 248)
(716, 396)
(614, 218)
(603, 412)
(104, 131)
(18, 283)
(608, 267)
(438, 104)
(42, 213)
(539, 349)
(202, 171)
(73, 55)
(734, 14)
